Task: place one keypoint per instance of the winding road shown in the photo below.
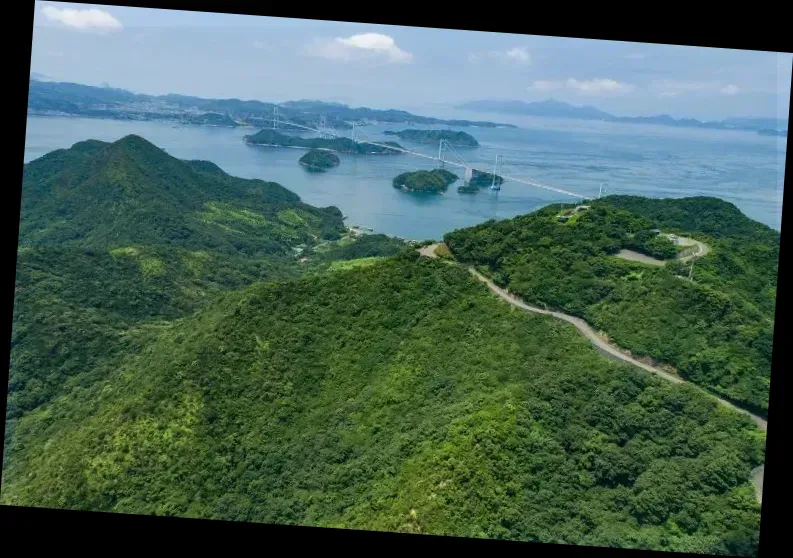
(609, 349)
(702, 248)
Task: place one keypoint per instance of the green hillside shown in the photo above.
(188, 343)
(398, 396)
(116, 235)
(716, 330)
(131, 192)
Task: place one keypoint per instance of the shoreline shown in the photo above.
(359, 230)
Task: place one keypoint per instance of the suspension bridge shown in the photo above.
(447, 155)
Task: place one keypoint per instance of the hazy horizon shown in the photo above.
(211, 55)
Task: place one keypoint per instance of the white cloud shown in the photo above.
(361, 46)
(598, 86)
(518, 55)
(90, 19)
(584, 87)
(672, 88)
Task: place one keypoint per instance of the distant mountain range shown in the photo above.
(47, 97)
(40, 77)
(557, 109)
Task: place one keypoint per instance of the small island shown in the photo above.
(770, 132)
(455, 139)
(319, 160)
(433, 182)
(273, 138)
(479, 180)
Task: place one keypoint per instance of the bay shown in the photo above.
(579, 156)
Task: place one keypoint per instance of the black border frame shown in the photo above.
(679, 29)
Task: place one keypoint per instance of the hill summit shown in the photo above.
(131, 191)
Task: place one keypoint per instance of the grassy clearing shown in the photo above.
(353, 264)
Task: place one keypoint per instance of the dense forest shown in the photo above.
(716, 330)
(188, 343)
(342, 145)
(434, 181)
(319, 160)
(399, 396)
(456, 139)
(364, 246)
(113, 235)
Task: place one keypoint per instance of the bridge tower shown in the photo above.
(275, 117)
(602, 189)
(469, 174)
(496, 171)
(323, 124)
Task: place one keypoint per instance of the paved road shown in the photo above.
(428, 251)
(581, 325)
(702, 248)
(637, 257)
(609, 349)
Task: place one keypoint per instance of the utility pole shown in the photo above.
(691, 271)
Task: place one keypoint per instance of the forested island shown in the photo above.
(456, 139)
(434, 181)
(273, 138)
(480, 180)
(188, 343)
(650, 311)
(319, 160)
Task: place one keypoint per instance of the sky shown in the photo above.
(278, 59)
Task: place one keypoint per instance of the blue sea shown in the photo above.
(578, 156)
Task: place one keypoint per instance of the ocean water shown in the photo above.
(655, 161)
